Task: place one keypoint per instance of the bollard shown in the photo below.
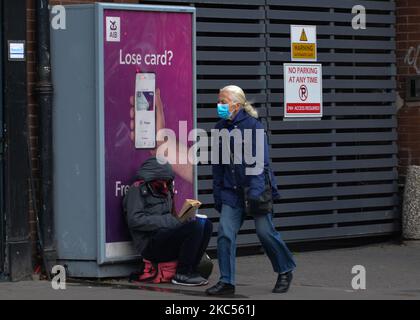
(411, 206)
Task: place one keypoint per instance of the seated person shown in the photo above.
(159, 236)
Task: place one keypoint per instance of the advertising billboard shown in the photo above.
(146, 69)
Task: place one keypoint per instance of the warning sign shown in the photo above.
(303, 90)
(304, 45)
(303, 37)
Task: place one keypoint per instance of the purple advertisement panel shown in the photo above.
(149, 85)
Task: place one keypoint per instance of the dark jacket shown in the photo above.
(230, 181)
(146, 212)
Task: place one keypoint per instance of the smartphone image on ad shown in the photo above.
(145, 111)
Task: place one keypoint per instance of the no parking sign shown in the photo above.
(303, 90)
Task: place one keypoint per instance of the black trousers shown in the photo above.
(186, 244)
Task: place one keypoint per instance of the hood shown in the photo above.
(152, 170)
(241, 116)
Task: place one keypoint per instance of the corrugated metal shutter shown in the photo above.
(338, 176)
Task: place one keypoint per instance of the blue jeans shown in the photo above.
(230, 223)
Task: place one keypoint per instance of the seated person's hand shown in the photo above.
(187, 218)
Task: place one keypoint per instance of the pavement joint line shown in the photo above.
(145, 287)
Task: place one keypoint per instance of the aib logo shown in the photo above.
(114, 26)
(113, 29)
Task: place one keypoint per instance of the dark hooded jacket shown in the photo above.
(146, 212)
(228, 180)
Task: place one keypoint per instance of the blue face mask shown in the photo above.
(223, 111)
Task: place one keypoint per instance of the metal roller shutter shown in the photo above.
(338, 176)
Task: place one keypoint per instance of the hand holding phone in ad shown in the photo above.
(145, 111)
(159, 111)
(185, 171)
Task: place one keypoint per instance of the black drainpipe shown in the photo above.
(44, 91)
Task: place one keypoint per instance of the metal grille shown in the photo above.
(337, 176)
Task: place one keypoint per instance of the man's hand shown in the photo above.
(187, 218)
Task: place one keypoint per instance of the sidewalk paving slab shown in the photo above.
(393, 272)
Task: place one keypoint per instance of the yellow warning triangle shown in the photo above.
(303, 37)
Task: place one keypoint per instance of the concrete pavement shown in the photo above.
(392, 272)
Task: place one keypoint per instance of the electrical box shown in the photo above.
(100, 63)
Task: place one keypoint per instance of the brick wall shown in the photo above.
(408, 55)
(32, 110)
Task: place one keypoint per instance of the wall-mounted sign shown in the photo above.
(304, 44)
(303, 90)
(17, 50)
